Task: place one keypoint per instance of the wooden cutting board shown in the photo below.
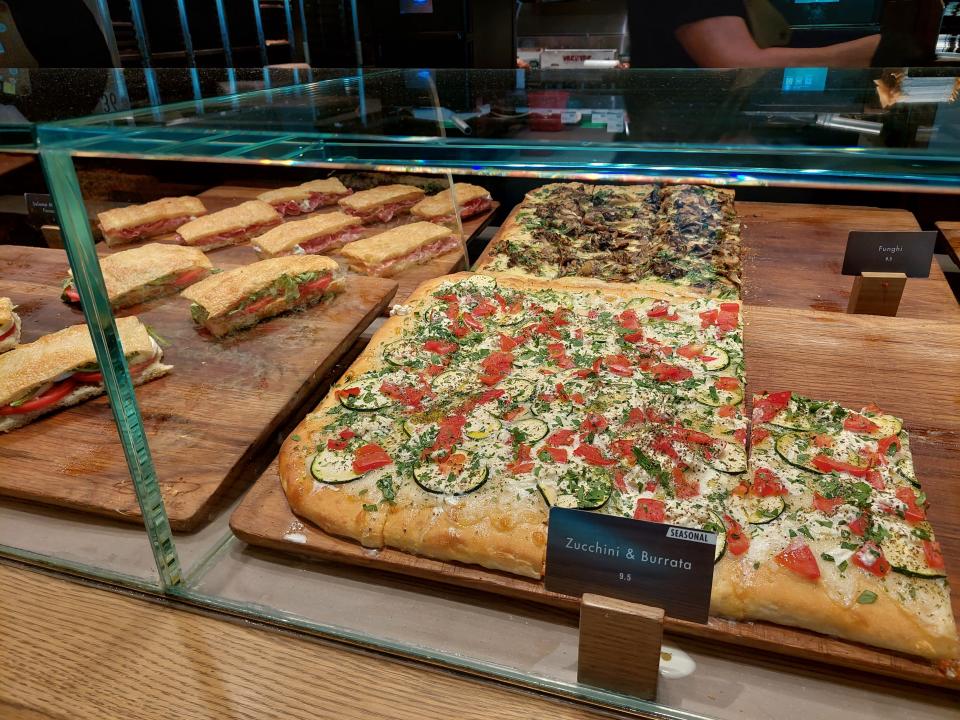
(225, 196)
(793, 252)
(206, 422)
(853, 359)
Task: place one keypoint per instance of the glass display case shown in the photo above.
(718, 202)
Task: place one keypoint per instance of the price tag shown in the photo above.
(40, 209)
(907, 252)
(665, 566)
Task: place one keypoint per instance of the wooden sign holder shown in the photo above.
(620, 646)
(876, 293)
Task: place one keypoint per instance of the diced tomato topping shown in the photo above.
(370, 457)
(633, 337)
(741, 489)
(798, 557)
(758, 435)
(766, 483)
(336, 444)
(659, 309)
(592, 456)
(655, 417)
(440, 347)
(870, 559)
(409, 396)
(52, 396)
(769, 406)
(727, 411)
(490, 379)
(618, 365)
(628, 320)
(556, 454)
(690, 351)
(623, 447)
(933, 555)
(740, 435)
(858, 526)
(484, 308)
(708, 318)
(650, 510)
(459, 329)
(593, 423)
(737, 541)
(578, 398)
(726, 383)
(498, 362)
(522, 464)
(434, 370)
(854, 422)
(636, 416)
(618, 482)
(730, 307)
(558, 354)
(913, 513)
(823, 463)
(874, 479)
(820, 440)
(683, 486)
(507, 343)
(560, 437)
(511, 414)
(348, 392)
(884, 445)
(663, 445)
(664, 372)
(471, 322)
(826, 505)
(693, 436)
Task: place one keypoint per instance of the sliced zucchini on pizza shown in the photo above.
(481, 424)
(449, 478)
(532, 429)
(404, 353)
(716, 397)
(586, 488)
(451, 382)
(904, 469)
(761, 510)
(871, 425)
(906, 556)
(701, 518)
(728, 457)
(798, 450)
(714, 358)
(367, 397)
(517, 389)
(333, 467)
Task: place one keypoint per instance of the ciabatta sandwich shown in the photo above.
(307, 197)
(9, 325)
(316, 235)
(395, 250)
(382, 203)
(471, 200)
(141, 222)
(232, 226)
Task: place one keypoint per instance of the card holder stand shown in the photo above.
(876, 293)
(620, 645)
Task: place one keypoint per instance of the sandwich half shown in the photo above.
(9, 325)
(315, 235)
(141, 222)
(60, 370)
(232, 226)
(382, 203)
(147, 272)
(471, 200)
(243, 297)
(307, 197)
(395, 250)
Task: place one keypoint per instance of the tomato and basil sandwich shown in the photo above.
(9, 325)
(145, 273)
(149, 220)
(319, 234)
(244, 296)
(60, 370)
(382, 203)
(493, 398)
(306, 197)
(470, 200)
(834, 530)
(232, 226)
(400, 248)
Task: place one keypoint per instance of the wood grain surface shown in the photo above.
(793, 252)
(950, 229)
(74, 652)
(206, 421)
(853, 359)
(224, 196)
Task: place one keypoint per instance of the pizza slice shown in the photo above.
(831, 531)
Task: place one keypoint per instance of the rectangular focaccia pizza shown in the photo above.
(246, 295)
(315, 235)
(140, 222)
(685, 235)
(828, 530)
(471, 200)
(492, 399)
(388, 253)
(60, 370)
(382, 203)
(9, 325)
(147, 272)
(307, 197)
(231, 226)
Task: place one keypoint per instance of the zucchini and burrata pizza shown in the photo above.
(492, 398)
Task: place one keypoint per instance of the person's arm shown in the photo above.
(726, 42)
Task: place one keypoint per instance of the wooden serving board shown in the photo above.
(853, 359)
(225, 196)
(206, 422)
(792, 255)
